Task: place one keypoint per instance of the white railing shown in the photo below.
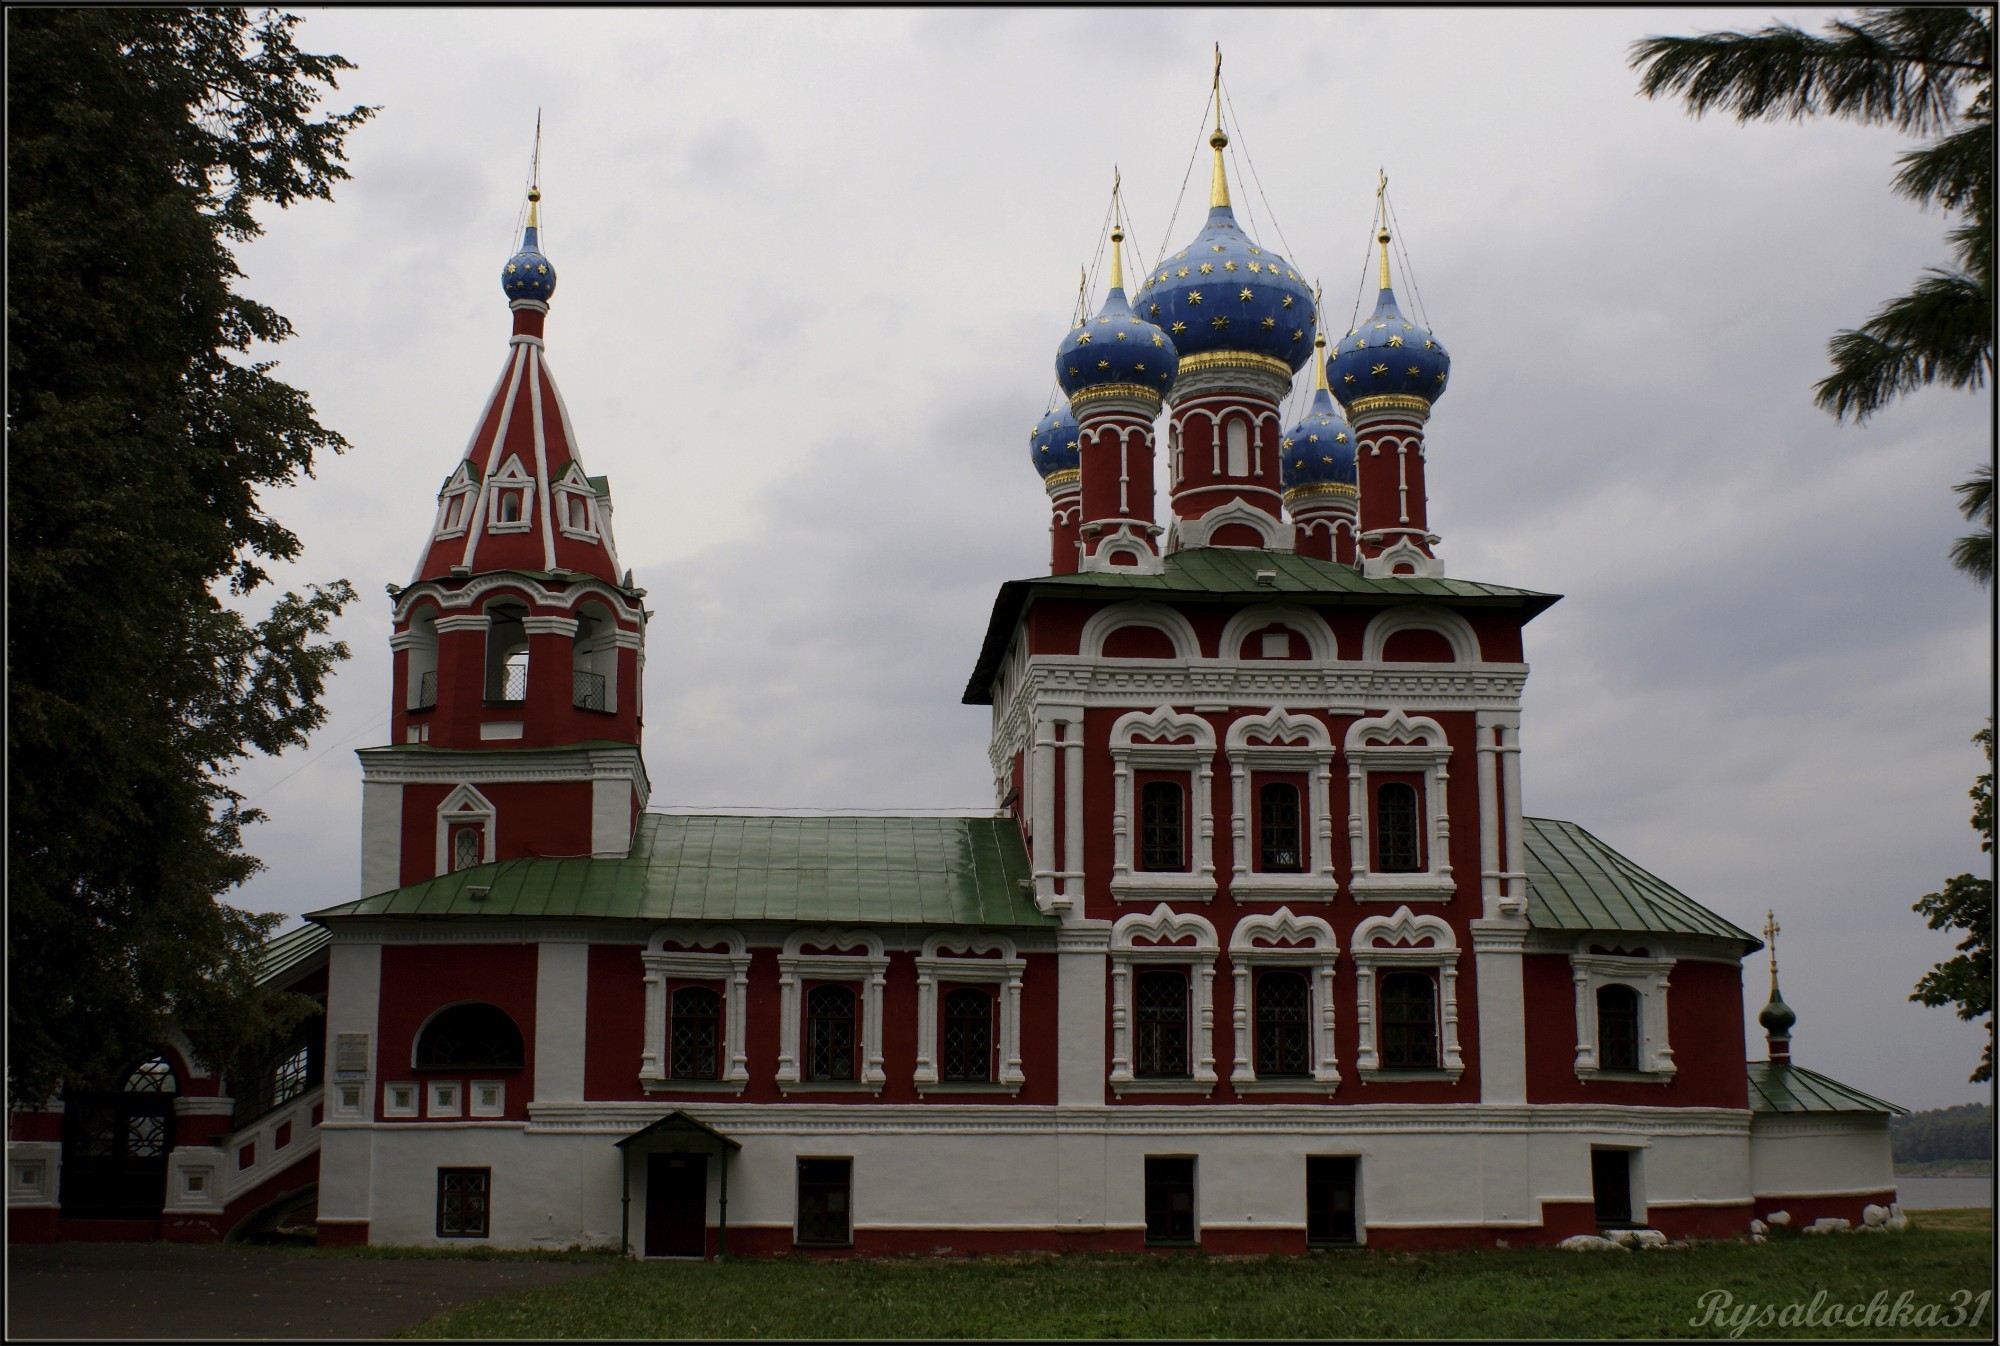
(203, 1178)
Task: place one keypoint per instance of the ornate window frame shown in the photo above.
(1162, 927)
(1458, 632)
(1321, 645)
(457, 500)
(731, 967)
(511, 477)
(466, 806)
(1130, 754)
(870, 968)
(573, 485)
(1317, 960)
(962, 960)
(1429, 753)
(1314, 759)
(1393, 943)
(1649, 977)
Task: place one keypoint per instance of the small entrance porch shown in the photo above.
(675, 1156)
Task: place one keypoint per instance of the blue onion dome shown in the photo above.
(1387, 355)
(1319, 450)
(1224, 293)
(1053, 442)
(528, 274)
(1117, 347)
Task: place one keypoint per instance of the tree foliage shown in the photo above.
(1965, 904)
(141, 429)
(1926, 72)
(1963, 1132)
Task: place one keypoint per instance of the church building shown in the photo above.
(1259, 950)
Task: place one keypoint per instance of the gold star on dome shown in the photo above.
(1229, 266)
(1243, 293)
(1207, 268)
(1345, 378)
(1287, 444)
(1121, 336)
(1430, 345)
(1152, 310)
(1219, 321)
(1158, 340)
(511, 268)
(1183, 271)
(543, 269)
(1380, 325)
(1326, 458)
(1178, 256)
(1253, 269)
(1138, 366)
(1379, 370)
(1104, 322)
(1297, 332)
(1072, 371)
(1299, 463)
(1440, 376)
(1104, 364)
(1179, 327)
(1269, 323)
(1072, 443)
(1215, 247)
(1338, 439)
(1083, 340)
(1395, 341)
(1408, 328)
(1362, 344)
(1413, 371)
(1312, 439)
(1287, 303)
(1194, 296)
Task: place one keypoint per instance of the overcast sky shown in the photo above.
(814, 266)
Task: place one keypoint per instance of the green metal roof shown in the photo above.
(285, 952)
(713, 867)
(1576, 882)
(1217, 573)
(1780, 1086)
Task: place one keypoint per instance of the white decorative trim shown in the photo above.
(511, 477)
(1646, 976)
(1127, 539)
(1129, 753)
(1315, 760)
(464, 621)
(958, 958)
(1317, 960)
(1273, 534)
(573, 485)
(400, 1098)
(467, 805)
(456, 499)
(444, 1098)
(392, 766)
(1160, 926)
(1426, 942)
(34, 1169)
(1321, 646)
(731, 967)
(1428, 754)
(486, 1098)
(1101, 623)
(550, 626)
(1403, 552)
(1421, 617)
(870, 968)
(532, 591)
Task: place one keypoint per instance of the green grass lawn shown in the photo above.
(1522, 1292)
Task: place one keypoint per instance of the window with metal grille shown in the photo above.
(1617, 1028)
(968, 1033)
(830, 1032)
(473, 1035)
(694, 1033)
(1162, 1022)
(824, 1188)
(466, 845)
(1162, 826)
(1408, 1021)
(1396, 828)
(1284, 1012)
(1169, 1199)
(464, 1208)
(1331, 1183)
(1278, 829)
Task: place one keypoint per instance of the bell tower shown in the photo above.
(519, 644)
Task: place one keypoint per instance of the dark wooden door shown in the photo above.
(1611, 1184)
(676, 1205)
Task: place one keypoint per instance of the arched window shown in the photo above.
(423, 660)
(1162, 826)
(1396, 829)
(510, 507)
(1617, 1027)
(594, 660)
(1278, 848)
(1174, 452)
(506, 653)
(968, 1033)
(830, 1032)
(1162, 1005)
(472, 1036)
(694, 1033)
(115, 1145)
(1239, 447)
(1283, 1009)
(1409, 1021)
(467, 842)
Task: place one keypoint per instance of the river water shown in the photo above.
(1944, 1193)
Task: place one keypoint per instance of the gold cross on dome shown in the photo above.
(1771, 937)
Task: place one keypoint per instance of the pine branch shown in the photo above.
(1899, 66)
(1940, 332)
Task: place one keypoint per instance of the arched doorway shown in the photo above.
(115, 1146)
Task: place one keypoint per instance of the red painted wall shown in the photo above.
(1704, 1028)
(420, 979)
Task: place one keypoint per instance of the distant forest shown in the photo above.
(1964, 1132)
